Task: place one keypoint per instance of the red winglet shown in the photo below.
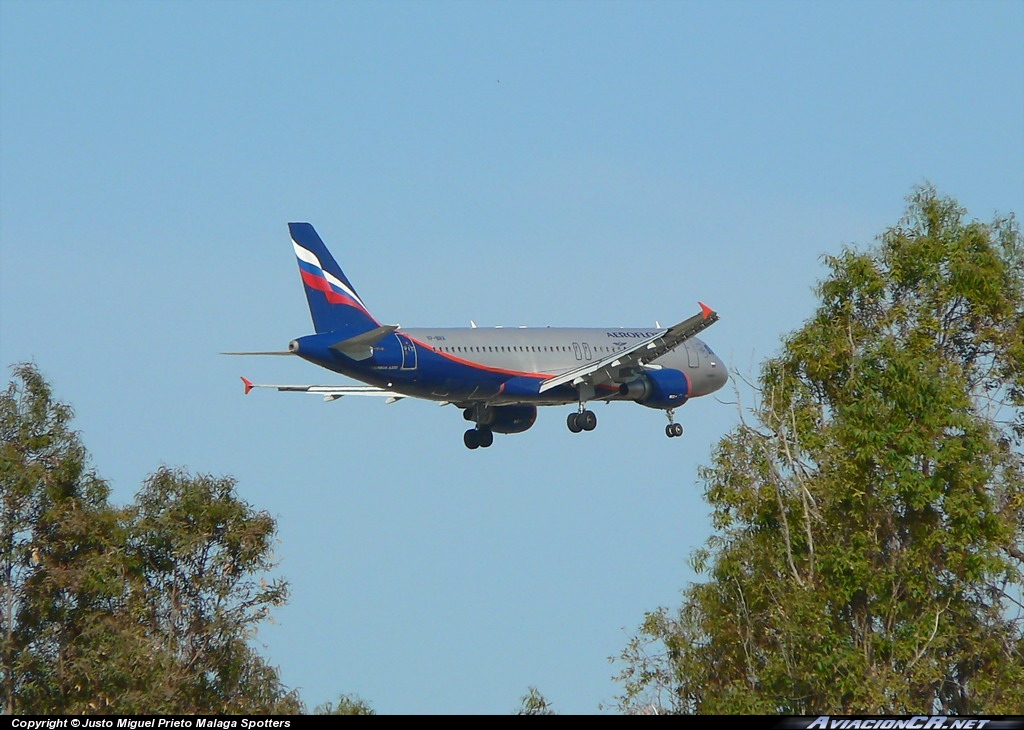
(705, 310)
(248, 384)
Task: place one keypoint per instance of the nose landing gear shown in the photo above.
(673, 429)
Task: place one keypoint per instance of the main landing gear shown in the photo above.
(482, 436)
(583, 421)
(479, 437)
(673, 429)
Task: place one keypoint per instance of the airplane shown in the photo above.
(496, 376)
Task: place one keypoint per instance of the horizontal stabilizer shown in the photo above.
(275, 352)
(360, 347)
(329, 392)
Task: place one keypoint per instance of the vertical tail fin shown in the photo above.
(333, 302)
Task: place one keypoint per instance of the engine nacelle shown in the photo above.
(658, 389)
(502, 419)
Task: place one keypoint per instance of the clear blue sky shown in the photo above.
(571, 163)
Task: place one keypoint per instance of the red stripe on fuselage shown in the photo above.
(503, 371)
(479, 366)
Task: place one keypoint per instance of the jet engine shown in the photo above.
(658, 389)
(502, 419)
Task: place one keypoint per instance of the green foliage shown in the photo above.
(197, 551)
(534, 703)
(58, 546)
(869, 513)
(136, 610)
(347, 705)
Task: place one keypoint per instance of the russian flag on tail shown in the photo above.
(333, 301)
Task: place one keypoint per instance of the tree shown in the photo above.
(869, 512)
(59, 564)
(534, 703)
(197, 550)
(347, 705)
(148, 608)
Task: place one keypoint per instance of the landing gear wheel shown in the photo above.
(478, 438)
(573, 422)
(587, 420)
(673, 429)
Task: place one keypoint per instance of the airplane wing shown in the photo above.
(609, 368)
(329, 392)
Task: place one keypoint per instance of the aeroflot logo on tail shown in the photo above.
(638, 335)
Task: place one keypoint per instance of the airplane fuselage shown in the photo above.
(462, 363)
